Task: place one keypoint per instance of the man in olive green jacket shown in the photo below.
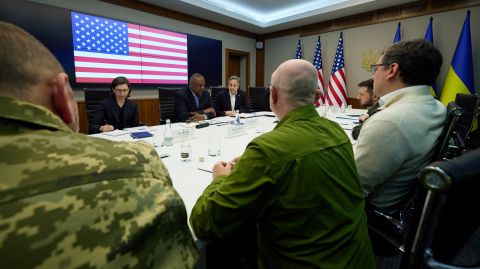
(72, 201)
(298, 183)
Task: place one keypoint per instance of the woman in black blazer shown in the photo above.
(116, 111)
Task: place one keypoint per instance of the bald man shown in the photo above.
(298, 184)
(72, 201)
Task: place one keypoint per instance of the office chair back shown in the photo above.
(166, 98)
(448, 145)
(470, 105)
(92, 99)
(256, 98)
(450, 212)
(215, 91)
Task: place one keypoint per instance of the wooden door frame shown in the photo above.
(229, 52)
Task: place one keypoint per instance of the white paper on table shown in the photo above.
(116, 132)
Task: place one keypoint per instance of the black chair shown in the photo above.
(470, 105)
(214, 92)
(450, 145)
(92, 99)
(266, 99)
(256, 97)
(450, 215)
(166, 98)
(391, 234)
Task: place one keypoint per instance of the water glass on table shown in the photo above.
(214, 147)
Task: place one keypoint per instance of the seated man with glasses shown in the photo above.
(396, 143)
(116, 111)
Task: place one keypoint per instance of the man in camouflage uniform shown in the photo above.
(72, 201)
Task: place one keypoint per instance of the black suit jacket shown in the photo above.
(185, 103)
(108, 112)
(222, 102)
(371, 110)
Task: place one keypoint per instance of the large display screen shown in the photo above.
(154, 57)
(104, 49)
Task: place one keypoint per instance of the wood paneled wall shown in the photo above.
(148, 113)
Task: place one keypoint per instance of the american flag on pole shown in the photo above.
(298, 53)
(105, 49)
(317, 62)
(337, 89)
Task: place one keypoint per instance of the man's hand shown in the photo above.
(230, 113)
(106, 128)
(363, 117)
(209, 110)
(234, 161)
(196, 117)
(221, 168)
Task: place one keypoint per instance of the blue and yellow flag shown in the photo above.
(429, 38)
(398, 35)
(460, 76)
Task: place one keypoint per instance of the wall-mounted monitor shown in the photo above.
(154, 57)
(105, 49)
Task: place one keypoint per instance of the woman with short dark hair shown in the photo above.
(116, 111)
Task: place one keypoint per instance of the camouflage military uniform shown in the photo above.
(72, 201)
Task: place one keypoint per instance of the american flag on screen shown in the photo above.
(337, 89)
(105, 49)
(317, 62)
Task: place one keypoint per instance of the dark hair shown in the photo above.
(194, 76)
(418, 60)
(368, 84)
(119, 81)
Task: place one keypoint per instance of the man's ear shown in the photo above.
(274, 94)
(61, 97)
(393, 71)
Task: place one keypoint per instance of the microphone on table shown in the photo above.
(202, 125)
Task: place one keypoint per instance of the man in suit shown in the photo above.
(193, 103)
(233, 98)
(68, 200)
(397, 142)
(368, 100)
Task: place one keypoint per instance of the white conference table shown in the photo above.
(187, 178)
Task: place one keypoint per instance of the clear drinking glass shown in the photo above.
(214, 147)
(185, 147)
(157, 140)
(186, 151)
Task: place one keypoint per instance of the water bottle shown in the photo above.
(168, 136)
(237, 117)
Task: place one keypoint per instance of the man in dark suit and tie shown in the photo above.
(227, 102)
(193, 103)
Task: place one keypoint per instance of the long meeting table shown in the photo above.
(190, 178)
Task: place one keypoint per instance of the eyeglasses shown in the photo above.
(121, 90)
(374, 67)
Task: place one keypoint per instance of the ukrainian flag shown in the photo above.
(460, 76)
(398, 35)
(429, 38)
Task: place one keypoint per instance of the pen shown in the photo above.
(345, 118)
(205, 170)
